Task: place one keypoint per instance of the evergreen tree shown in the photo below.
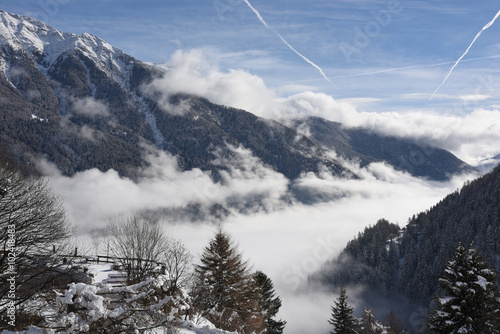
(342, 319)
(394, 324)
(224, 290)
(470, 299)
(369, 324)
(269, 303)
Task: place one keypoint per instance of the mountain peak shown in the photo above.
(39, 39)
(23, 32)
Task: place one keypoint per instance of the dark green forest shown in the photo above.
(401, 266)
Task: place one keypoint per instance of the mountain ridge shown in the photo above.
(366, 146)
(81, 103)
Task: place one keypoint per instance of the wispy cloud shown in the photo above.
(359, 100)
(89, 107)
(489, 24)
(93, 196)
(474, 97)
(402, 68)
(472, 136)
(290, 46)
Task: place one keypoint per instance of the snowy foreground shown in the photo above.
(107, 297)
(186, 327)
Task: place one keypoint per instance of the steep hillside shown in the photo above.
(404, 154)
(402, 266)
(81, 103)
(69, 98)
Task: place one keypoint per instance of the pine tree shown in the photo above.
(394, 324)
(225, 291)
(470, 299)
(342, 319)
(369, 324)
(269, 303)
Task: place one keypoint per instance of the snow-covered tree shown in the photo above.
(224, 289)
(269, 303)
(343, 320)
(369, 323)
(101, 308)
(469, 300)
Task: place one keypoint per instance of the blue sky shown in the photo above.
(412, 44)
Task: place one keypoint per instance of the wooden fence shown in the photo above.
(108, 259)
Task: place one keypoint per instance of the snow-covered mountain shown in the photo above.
(81, 103)
(46, 45)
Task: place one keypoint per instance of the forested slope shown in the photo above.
(402, 265)
(81, 103)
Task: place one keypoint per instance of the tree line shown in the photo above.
(468, 301)
(400, 266)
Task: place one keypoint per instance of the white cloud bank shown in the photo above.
(293, 242)
(92, 196)
(472, 137)
(282, 237)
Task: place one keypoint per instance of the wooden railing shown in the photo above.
(106, 259)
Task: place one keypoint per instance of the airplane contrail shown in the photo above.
(257, 13)
(261, 19)
(307, 60)
(489, 24)
(395, 69)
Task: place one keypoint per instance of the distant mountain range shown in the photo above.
(80, 103)
(489, 164)
(399, 268)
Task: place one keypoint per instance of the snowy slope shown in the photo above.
(40, 40)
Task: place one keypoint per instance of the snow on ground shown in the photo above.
(102, 272)
(202, 327)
